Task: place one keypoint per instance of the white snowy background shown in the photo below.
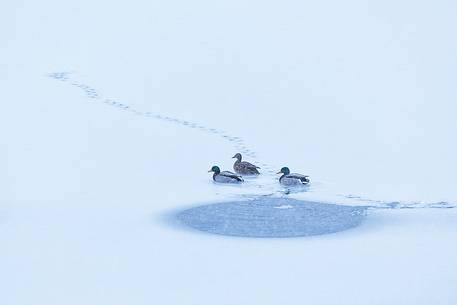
(360, 95)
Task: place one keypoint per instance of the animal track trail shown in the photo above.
(381, 204)
(264, 182)
(238, 143)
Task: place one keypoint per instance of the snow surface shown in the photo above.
(148, 95)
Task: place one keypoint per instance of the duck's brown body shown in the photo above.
(244, 168)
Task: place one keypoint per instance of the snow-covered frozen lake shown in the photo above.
(113, 112)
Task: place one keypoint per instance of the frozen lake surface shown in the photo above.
(272, 217)
(144, 97)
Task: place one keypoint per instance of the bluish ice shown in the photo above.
(272, 217)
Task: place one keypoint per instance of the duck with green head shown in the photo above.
(292, 179)
(244, 168)
(225, 176)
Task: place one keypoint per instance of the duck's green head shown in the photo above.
(284, 170)
(238, 156)
(215, 169)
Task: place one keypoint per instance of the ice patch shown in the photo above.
(272, 217)
(284, 206)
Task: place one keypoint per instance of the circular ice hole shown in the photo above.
(272, 217)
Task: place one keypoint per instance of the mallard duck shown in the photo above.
(292, 179)
(243, 167)
(225, 176)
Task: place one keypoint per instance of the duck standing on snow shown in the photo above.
(243, 167)
(225, 176)
(292, 179)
